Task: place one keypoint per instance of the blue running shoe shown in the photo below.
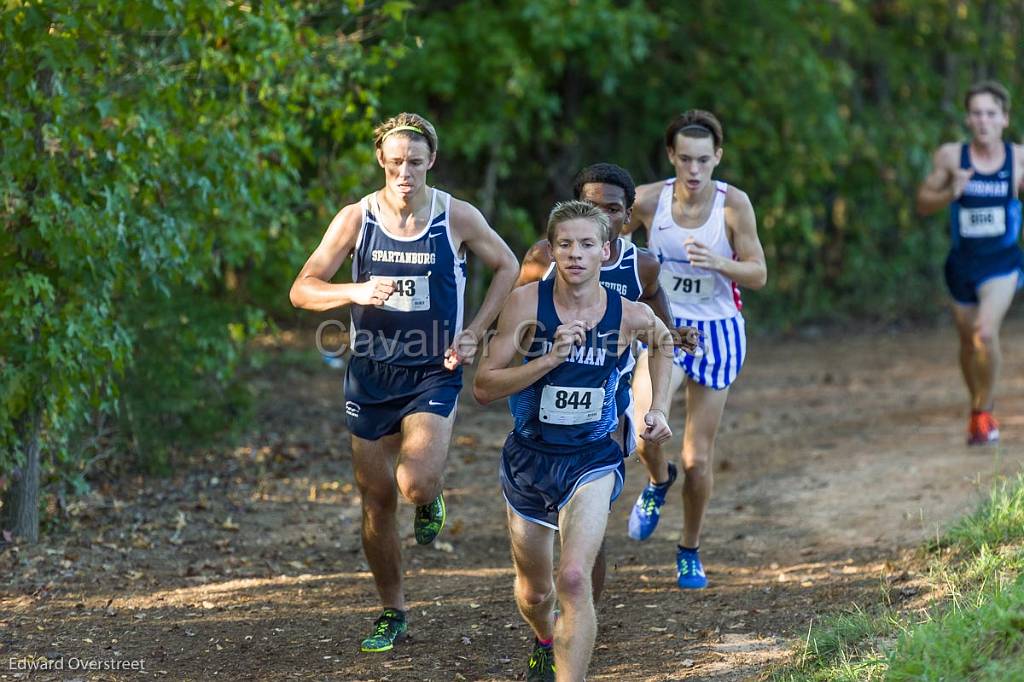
(647, 509)
(689, 570)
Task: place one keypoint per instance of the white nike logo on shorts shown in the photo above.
(434, 403)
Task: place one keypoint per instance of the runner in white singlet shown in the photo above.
(704, 234)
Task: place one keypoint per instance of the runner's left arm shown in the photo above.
(1018, 158)
(641, 322)
(748, 269)
(474, 234)
(653, 294)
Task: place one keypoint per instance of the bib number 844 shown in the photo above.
(572, 399)
(571, 405)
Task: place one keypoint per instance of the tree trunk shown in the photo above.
(21, 501)
(951, 85)
(487, 204)
(20, 513)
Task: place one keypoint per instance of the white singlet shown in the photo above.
(695, 293)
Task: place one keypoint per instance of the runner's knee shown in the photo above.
(697, 463)
(378, 501)
(419, 489)
(533, 594)
(984, 334)
(573, 582)
(418, 484)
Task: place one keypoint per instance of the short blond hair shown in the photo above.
(565, 211)
(411, 125)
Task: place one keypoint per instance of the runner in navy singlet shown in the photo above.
(633, 273)
(408, 244)
(561, 348)
(979, 181)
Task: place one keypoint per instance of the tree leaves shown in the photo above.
(149, 146)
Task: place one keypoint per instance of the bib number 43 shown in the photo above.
(411, 294)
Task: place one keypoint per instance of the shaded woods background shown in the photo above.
(166, 166)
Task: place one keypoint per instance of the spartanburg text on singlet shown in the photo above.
(574, 403)
(418, 322)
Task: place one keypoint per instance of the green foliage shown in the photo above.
(842, 647)
(170, 158)
(979, 643)
(519, 91)
(831, 112)
(150, 148)
(974, 631)
(186, 388)
(1000, 521)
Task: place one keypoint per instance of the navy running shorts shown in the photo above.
(378, 395)
(538, 480)
(964, 274)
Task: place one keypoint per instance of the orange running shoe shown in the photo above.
(983, 429)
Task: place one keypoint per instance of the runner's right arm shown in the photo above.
(502, 371)
(642, 212)
(943, 184)
(535, 263)
(313, 289)
(654, 295)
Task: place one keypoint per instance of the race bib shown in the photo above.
(687, 289)
(411, 294)
(570, 405)
(989, 221)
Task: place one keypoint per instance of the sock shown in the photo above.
(546, 643)
(688, 549)
(395, 614)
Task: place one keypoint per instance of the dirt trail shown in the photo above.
(835, 455)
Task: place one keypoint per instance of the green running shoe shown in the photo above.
(430, 520)
(542, 664)
(388, 628)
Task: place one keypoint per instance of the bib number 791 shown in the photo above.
(684, 288)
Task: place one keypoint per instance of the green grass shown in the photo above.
(974, 630)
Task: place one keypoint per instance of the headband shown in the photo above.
(398, 129)
(697, 126)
